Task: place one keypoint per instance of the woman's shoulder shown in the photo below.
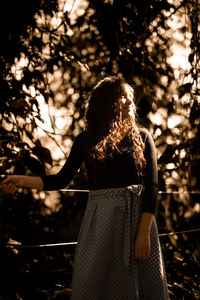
(82, 134)
(79, 141)
(81, 137)
(145, 134)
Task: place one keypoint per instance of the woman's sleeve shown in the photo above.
(150, 175)
(71, 166)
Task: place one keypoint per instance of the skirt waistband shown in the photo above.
(135, 189)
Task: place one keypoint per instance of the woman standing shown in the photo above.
(118, 255)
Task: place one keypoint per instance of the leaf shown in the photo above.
(194, 113)
(167, 155)
(29, 135)
(183, 89)
(191, 57)
(34, 165)
(43, 154)
(19, 104)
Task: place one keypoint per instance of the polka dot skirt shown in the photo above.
(105, 268)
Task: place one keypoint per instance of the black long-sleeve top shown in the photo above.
(116, 171)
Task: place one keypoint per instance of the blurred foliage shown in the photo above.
(55, 55)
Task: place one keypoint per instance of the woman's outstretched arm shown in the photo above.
(50, 182)
(13, 182)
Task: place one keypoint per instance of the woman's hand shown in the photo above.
(11, 183)
(142, 246)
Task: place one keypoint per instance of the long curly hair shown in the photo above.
(106, 128)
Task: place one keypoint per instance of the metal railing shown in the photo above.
(21, 247)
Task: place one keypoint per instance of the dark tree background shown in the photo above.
(51, 55)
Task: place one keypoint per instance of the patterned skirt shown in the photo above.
(105, 268)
